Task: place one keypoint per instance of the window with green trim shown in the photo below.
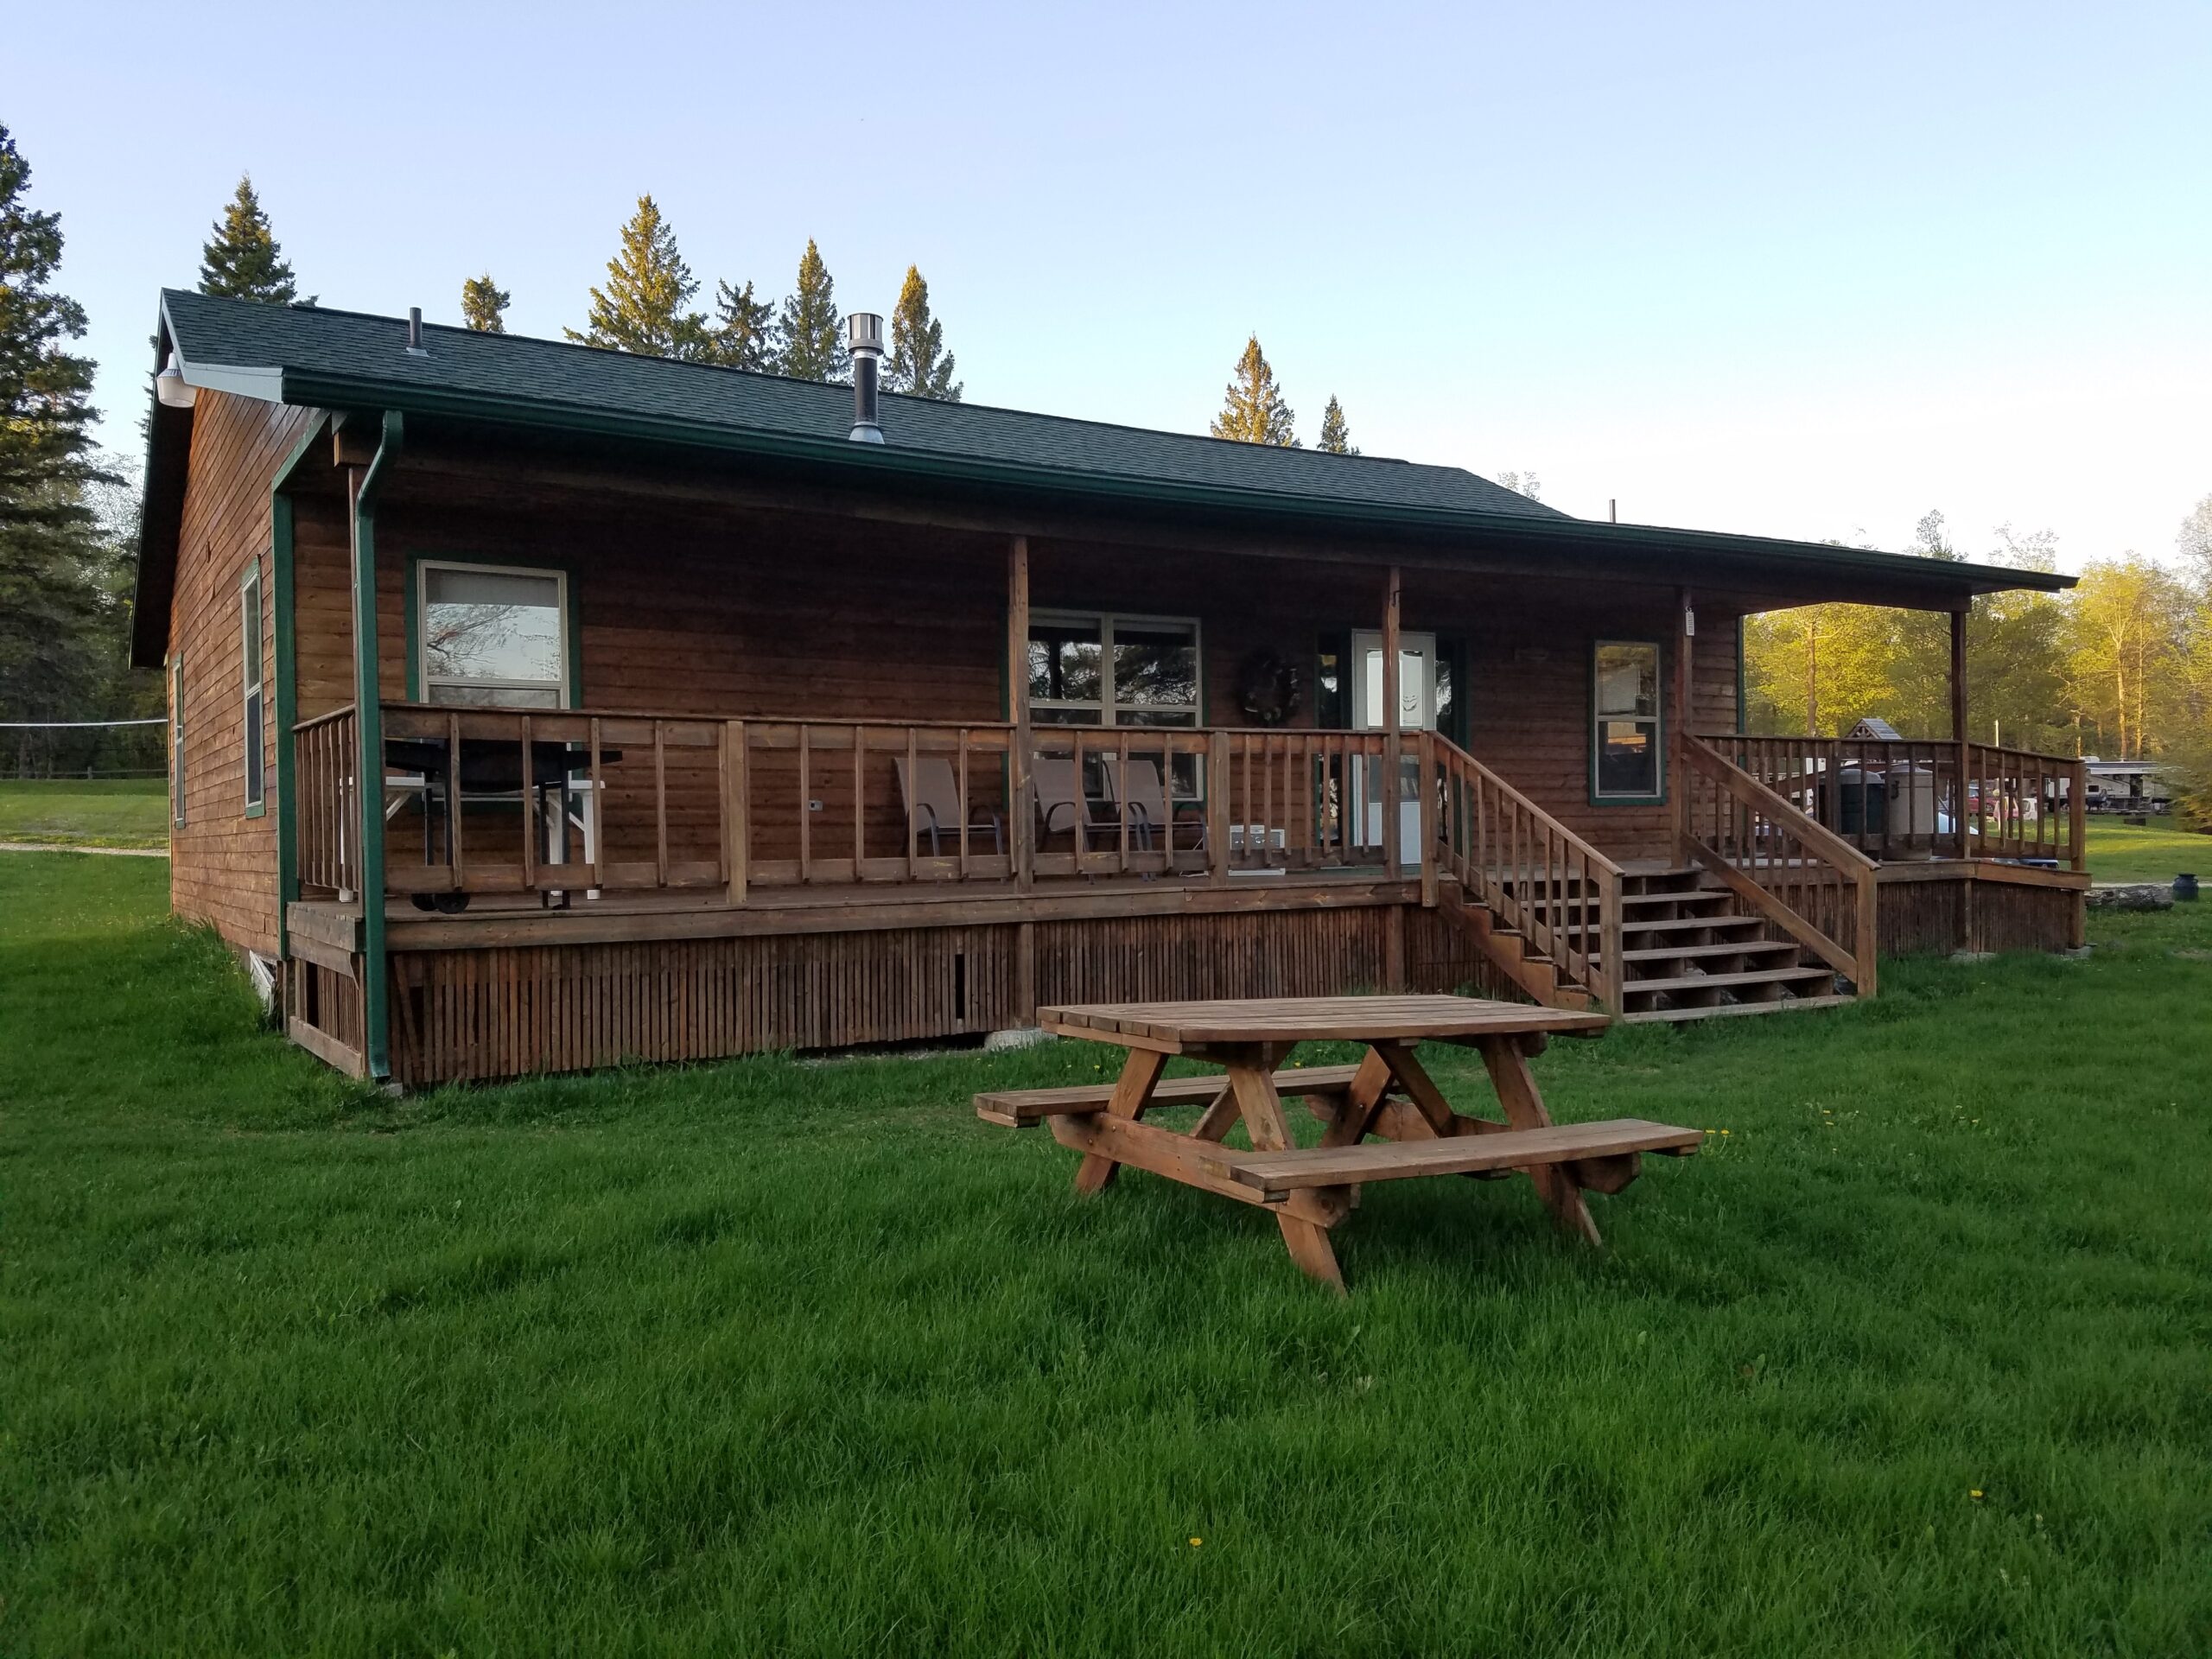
(250, 679)
(494, 634)
(177, 740)
(1624, 738)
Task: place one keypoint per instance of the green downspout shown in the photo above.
(368, 719)
(281, 589)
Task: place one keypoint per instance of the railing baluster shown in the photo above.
(805, 821)
(595, 813)
(660, 804)
(966, 812)
(455, 872)
(529, 810)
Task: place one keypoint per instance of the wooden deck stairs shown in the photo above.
(1691, 949)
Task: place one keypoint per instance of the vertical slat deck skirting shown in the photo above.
(514, 1011)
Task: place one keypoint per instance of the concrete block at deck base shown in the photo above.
(1018, 1037)
(1973, 955)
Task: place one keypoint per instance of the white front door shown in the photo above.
(1416, 713)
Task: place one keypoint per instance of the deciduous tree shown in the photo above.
(2129, 626)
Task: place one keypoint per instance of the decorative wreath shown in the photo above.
(1267, 689)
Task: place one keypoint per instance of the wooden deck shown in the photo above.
(681, 889)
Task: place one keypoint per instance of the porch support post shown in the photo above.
(1958, 722)
(1391, 790)
(364, 484)
(1019, 809)
(1674, 783)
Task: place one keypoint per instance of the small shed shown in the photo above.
(1874, 729)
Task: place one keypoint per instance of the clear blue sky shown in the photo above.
(1803, 271)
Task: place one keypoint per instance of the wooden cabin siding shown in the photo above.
(1529, 715)
(757, 614)
(223, 863)
(322, 589)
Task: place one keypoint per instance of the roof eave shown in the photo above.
(889, 463)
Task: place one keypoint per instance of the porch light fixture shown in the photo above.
(865, 330)
(171, 387)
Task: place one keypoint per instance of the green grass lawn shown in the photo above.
(86, 811)
(2157, 852)
(774, 1357)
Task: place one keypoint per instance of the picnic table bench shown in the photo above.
(1388, 1094)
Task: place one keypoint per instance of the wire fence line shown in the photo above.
(74, 725)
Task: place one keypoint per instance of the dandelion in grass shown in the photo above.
(1197, 1542)
(1974, 1492)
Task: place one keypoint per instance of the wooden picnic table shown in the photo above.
(1387, 1095)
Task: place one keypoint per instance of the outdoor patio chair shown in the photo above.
(932, 798)
(1060, 805)
(1152, 815)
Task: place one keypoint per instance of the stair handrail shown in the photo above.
(1791, 821)
(1565, 855)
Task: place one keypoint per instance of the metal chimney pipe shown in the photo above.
(865, 336)
(415, 346)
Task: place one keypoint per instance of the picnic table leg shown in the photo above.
(1525, 1110)
(1251, 1074)
(1356, 1116)
(1132, 1093)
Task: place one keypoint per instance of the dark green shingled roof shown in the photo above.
(312, 353)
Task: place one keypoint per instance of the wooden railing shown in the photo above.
(2021, 805)
(323, 754)
(1231, 800)
(1542, 879)
(1900, 799)
(557, 803)
(1803, 877)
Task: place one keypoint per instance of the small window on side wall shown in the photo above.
(177, 740)
(1625, 742)
(253, 722)
(492, 634)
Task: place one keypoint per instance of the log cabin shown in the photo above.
(536, 707)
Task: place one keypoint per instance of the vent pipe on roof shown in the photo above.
(865, 330)
(415, 346)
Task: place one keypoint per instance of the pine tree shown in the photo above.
(53, 644)
(1253, 411)
(484, 305)
(241, 260)
(45, 417)
(1336, 435)
(641, 309)
(811, 336)
(744, 329)
(920, 365)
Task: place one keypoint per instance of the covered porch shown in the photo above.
(624, 708)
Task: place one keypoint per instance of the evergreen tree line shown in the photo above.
(645, 307)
